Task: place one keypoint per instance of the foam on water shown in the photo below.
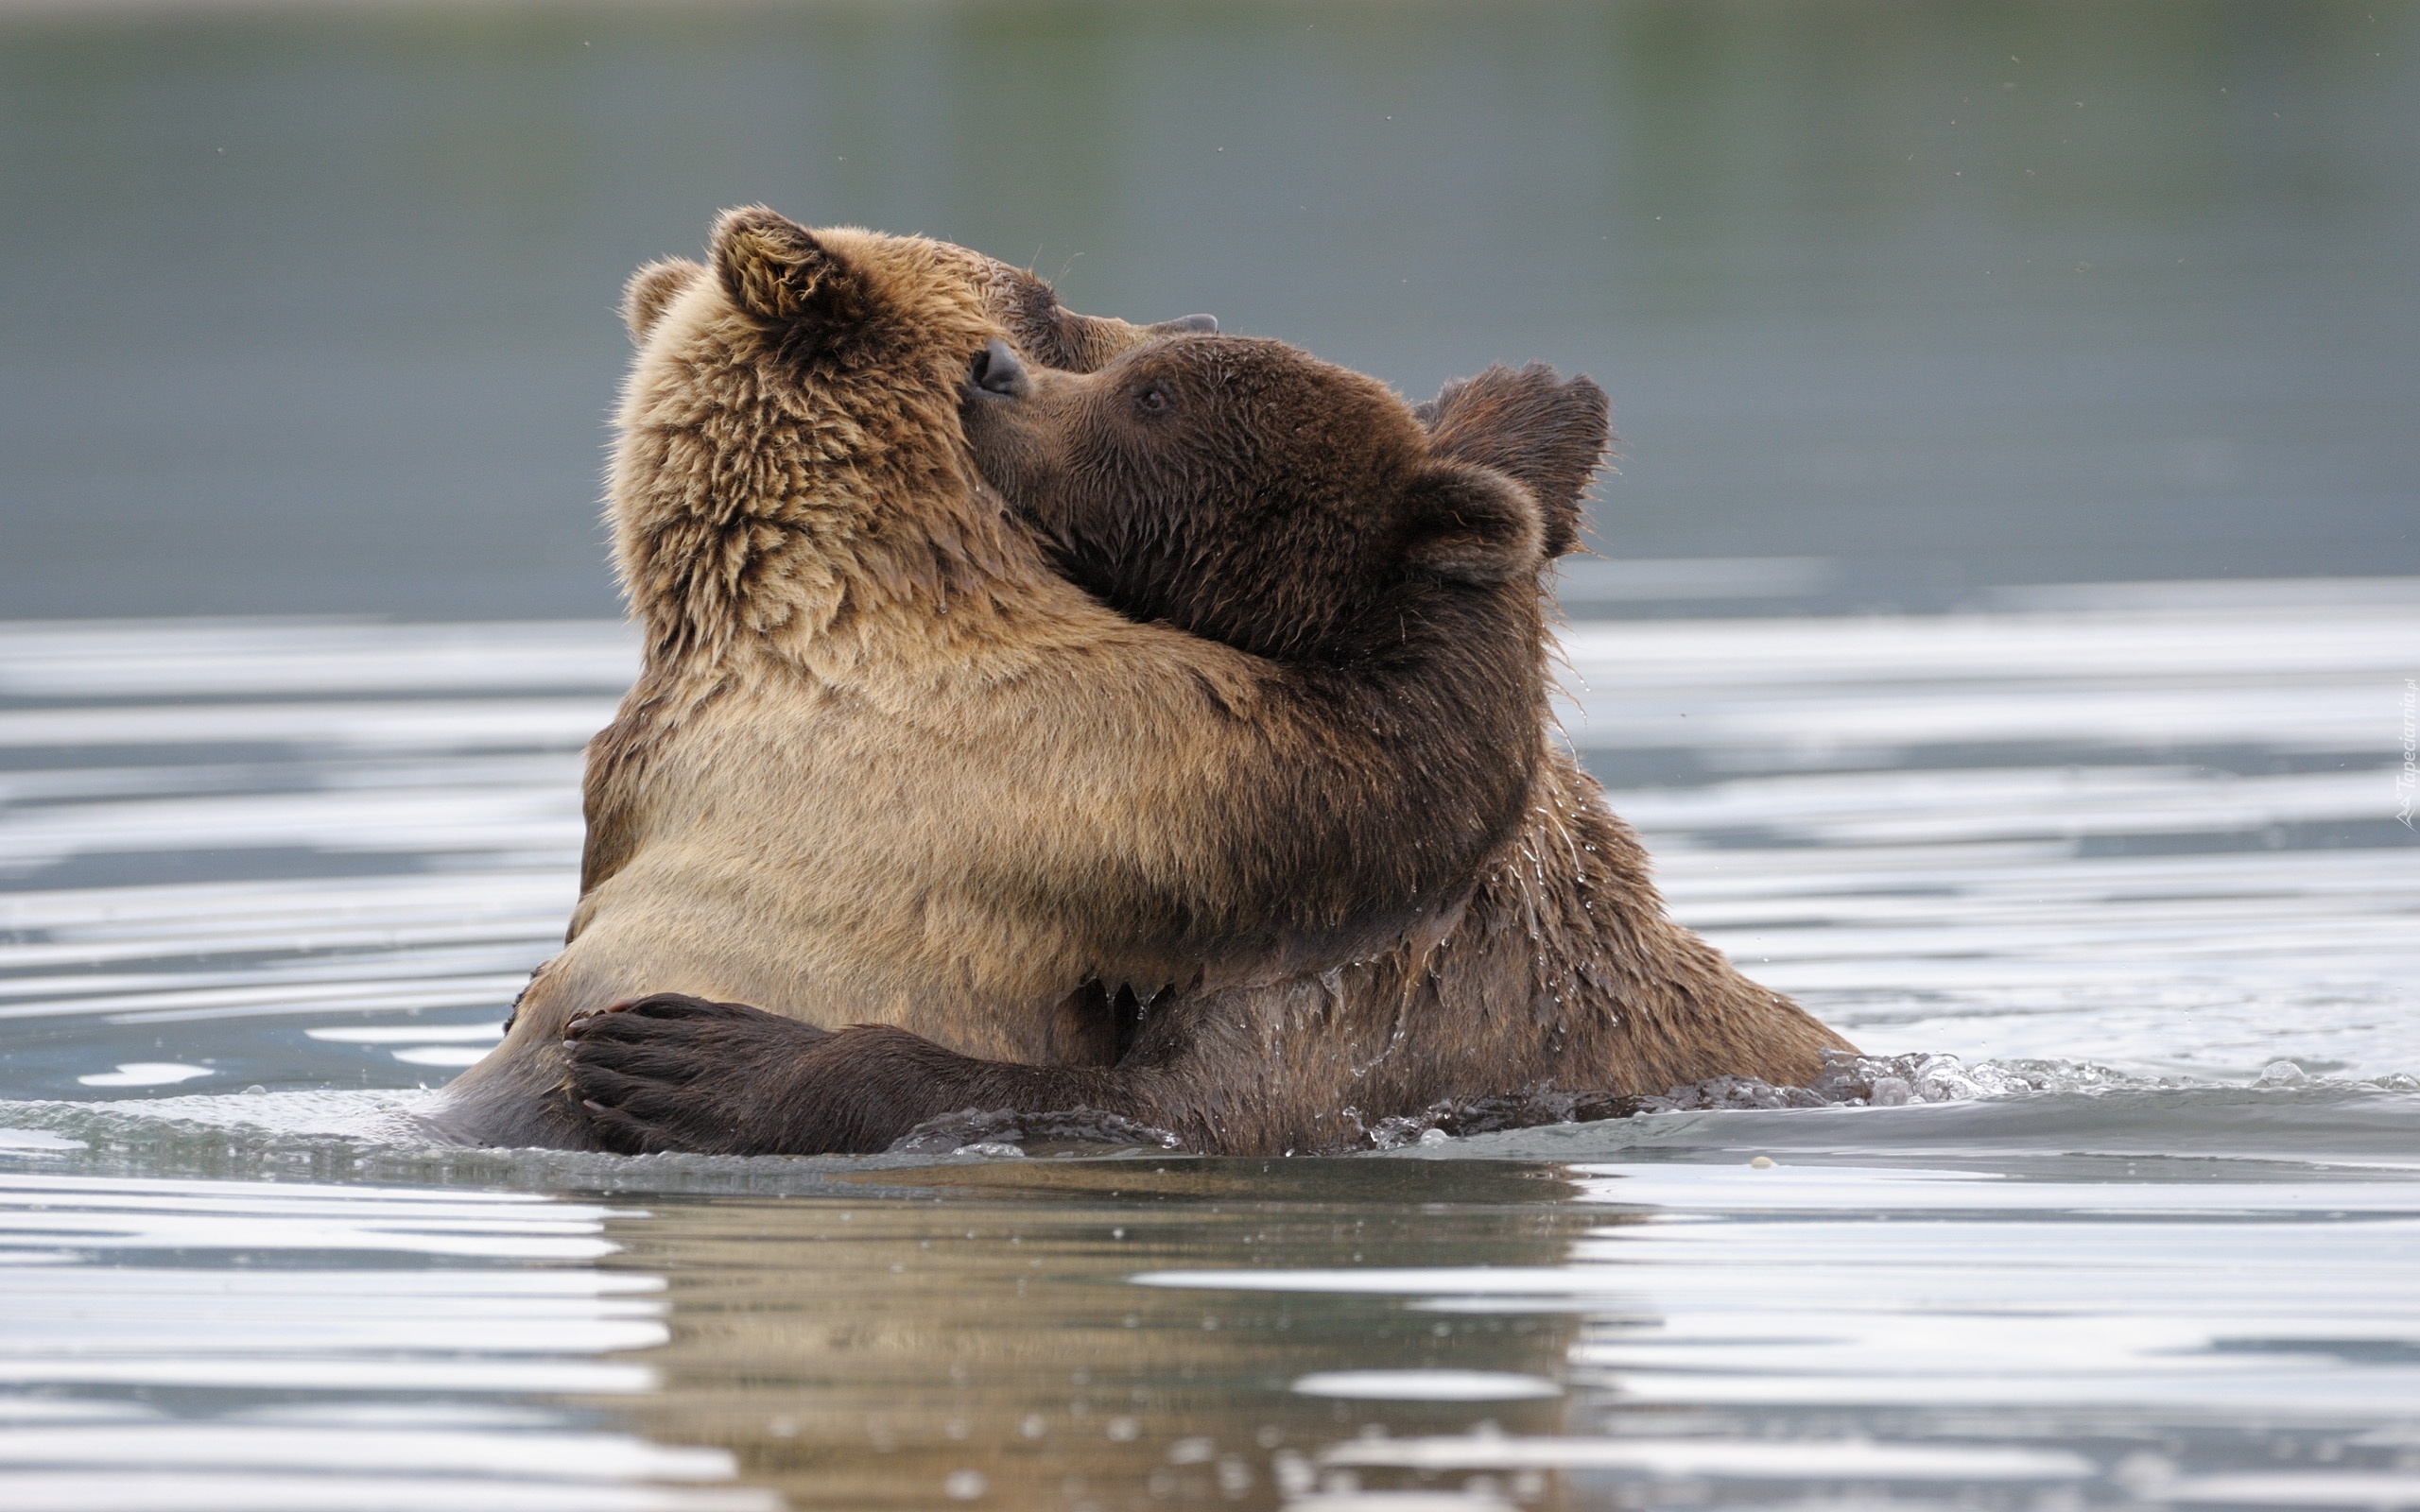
(2121, 1206)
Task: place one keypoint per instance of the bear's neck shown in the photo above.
(843, 572)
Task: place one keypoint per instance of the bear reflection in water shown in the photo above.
(1162, 733)
(875, 1351)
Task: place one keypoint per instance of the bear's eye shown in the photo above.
(1153, 398)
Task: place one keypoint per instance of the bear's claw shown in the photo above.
(671, 1072)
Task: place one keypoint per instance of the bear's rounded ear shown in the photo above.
(775, 270)
(1473, 524)
(650, 289)
(1549, 432)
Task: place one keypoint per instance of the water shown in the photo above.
(2127, 1213)
(309, 307)
(308, 310)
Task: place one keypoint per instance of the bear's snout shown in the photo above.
(997, 370)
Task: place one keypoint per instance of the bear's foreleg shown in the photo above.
(674, 1072)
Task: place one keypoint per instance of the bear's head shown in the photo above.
(1245, 492)
(781, 274)
(789, 431)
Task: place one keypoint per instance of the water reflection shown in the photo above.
(186, 1344)
(2129, 1295)
(1761, 1335)
(880, 1351)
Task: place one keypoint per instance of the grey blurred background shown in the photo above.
(309, 307)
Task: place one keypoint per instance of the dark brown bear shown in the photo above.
(1240, 491)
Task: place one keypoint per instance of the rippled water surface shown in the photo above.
(2125, 1210)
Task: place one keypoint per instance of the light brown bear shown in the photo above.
(1239, 491)
(885, 765)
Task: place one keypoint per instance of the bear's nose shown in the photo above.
(996, 369)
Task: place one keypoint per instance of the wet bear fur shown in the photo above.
(1235, 489)
(887, 771)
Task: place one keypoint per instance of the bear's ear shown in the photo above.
(1473, 524)
(650, 289)
(775, 270)
(1547, 432)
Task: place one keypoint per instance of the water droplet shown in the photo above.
(964, 1485)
